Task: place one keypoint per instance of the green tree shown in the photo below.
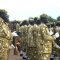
(58, 18)
(50, 19)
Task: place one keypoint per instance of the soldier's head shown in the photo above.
(25, 22)
(4, 15)
(44, 18)
(31, 22)
(38, 22)
(35, 19)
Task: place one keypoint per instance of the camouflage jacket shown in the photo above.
(32, 35)
(5, 34)
(44, 42)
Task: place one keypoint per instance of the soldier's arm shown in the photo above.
(7, 31)
(44, 29)
(30, 33)
(53, 38)
(45, 32)
(30, 37)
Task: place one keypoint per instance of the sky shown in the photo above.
(23, 9)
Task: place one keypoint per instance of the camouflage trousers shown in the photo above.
(44, 56)
(4, 54)
(32, 53)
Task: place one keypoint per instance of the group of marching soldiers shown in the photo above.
(36, 40)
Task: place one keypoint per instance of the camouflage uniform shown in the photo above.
(5, 39)
(32, 37)
(23, 29)
(44, 43)
(25, 33)
(17, 27)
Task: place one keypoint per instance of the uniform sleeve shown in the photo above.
(45, 33)
(30, 37)
(45, 30)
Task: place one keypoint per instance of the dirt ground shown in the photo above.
(14, 57)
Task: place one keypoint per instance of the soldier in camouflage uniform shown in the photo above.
(32, 36)
(17, 27)
(44, 41)
(25, 37)
(24, 30)
(5, 37)
(21, 29)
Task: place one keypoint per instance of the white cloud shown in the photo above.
(23, 9)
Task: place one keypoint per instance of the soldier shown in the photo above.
(45, 41)
(17, 27)
(24, 30)
(30, 39)
(5, 36)
(32, 36)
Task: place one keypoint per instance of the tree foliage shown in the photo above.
(58, 18)
(50, 19)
